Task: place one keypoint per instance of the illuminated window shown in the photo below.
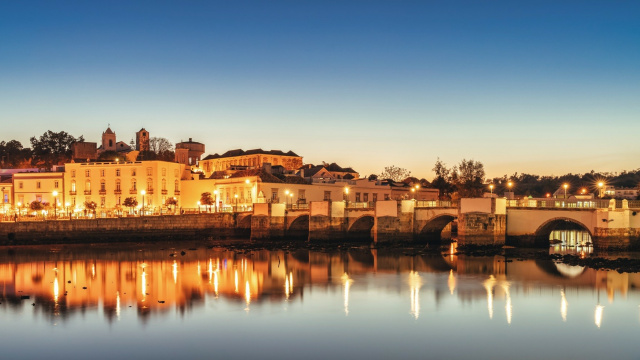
(73, 186)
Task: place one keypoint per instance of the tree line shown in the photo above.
(55, 148)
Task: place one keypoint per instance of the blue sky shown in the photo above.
(543, 87)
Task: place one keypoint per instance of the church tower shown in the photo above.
(108, 140)
(142, 140)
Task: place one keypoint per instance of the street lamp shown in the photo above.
(291, 196)
(19, 209)
(66, 209)
(55, 204)
(215, 198)
(600, 185)
(346, 193)
(236, 196)
(565, 186)
(491, 189)
(143, 192)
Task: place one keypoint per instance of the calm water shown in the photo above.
(139, 301)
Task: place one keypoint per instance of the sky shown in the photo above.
(542, 87)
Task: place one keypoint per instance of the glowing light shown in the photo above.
(236, 279)
(451, 282)
(415, 283)
(142, 192)
(508, 308)
(488, 285)
(56, 290)
(346, 282)
(563, 305)
(143, 285)
(93, 270)
(247, 293)
(247, 181)
(175, 271)
(598, 315)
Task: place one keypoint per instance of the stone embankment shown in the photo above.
(215, 226)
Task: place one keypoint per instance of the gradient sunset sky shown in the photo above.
(545, 87)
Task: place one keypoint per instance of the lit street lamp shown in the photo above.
(291, 196)
(215, 198)
(600, 185)
(143, 193)
(55, 204)
(565, 186)
(491, 189)
(346, 194)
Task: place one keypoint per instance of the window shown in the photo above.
(149, 171)
(21, 199)
(177, 186)
(386, 196)
(301, 194)
(149, 185)
(87, 173)
(73, 186)
(103, 186)
(103, 201)
(164, 171)
(73, 173)
(274, 194)
(87, 186)
(327, 195)
(134, 185)
(375, 197)
(20, 185)
(102, 172)
(164, 184)
(56, 184)
(38, 185)
(133, 172)
(357, 197)
(117, 185)
(73, 201)
(118, 200)
(117, 172)
(365, 197)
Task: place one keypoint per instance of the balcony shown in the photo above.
(72, 192)
(133, 191)
(117, 191)
(164, 192)
(87, 192)
(102, 192)
(150, 192)
(176, 192)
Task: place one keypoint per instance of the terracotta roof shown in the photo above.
(240, 152)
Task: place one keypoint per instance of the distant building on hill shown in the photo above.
(250, 159)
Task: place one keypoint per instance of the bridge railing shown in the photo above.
(359, 205)
(559, 203)
(436, 203)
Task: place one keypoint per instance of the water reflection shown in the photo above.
(156, 280)
(571, 241)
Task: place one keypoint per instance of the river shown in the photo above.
(192, 301)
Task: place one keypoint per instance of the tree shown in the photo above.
(130, 202)
(171, 201)
(372, 177)
(109, 155)
(441, 181)
(52, 148)
(394, 173)
(207, 199)
(13, 155)
(91, 206)
(162, 148)
(469, 179)
(36, 205)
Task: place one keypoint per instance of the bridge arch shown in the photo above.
(543, 231)
(244, 222)
(432, 230)
(360, 229)
(299, 227)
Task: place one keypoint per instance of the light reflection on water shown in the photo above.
(365, 302)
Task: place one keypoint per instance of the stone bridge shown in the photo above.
(483, 221)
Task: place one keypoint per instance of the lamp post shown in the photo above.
(55, 204)
(600, 185)
(346, 196)
(509, 185)
(215, 198)
(198, 207)
(565, 186)
(19, 209)
(236, 196)
(291, 196)
(491, 189)
(66, 209)
(142, 192)
(413, 190)
(286, 198)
